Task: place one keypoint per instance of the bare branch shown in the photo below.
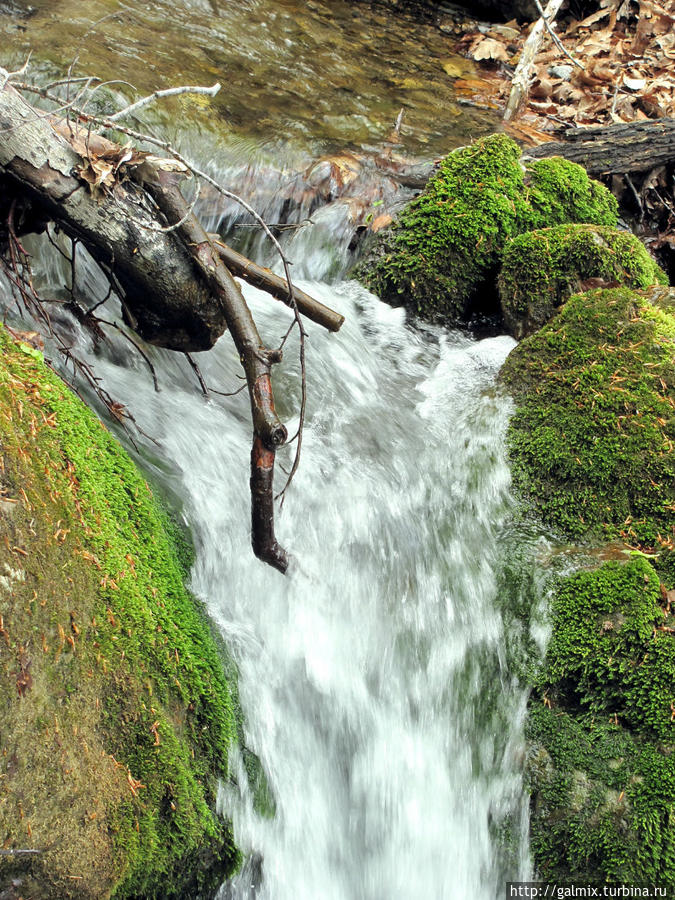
(157, 95)
(520, 82)
(6, 76)
(556, 40)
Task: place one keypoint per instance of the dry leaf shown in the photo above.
(542, 88)
(634, 84)
(490, 49)
(168, 165)
(381, 222)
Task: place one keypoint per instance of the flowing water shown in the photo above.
(377, 678)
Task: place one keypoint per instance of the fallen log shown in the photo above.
(602, 150)
(128, 211)
(162, 300)
(614, 149)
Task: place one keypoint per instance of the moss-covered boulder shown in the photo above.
(541, 269)
(592, 439)
(601, 764)
(440, 258)
(115, 716)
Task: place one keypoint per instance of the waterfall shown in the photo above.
(374, 678)
(377, 678)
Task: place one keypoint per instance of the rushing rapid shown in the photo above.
(375, 677)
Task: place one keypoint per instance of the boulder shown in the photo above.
(541, 269)
(441, 256)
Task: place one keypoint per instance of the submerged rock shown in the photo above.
(541, 269)
(440, 258)
(117, 717)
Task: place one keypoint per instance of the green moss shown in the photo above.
(602, 760)
(114, 748)
(608, 653)
(592, 437)
(602, 800)
(441, 256)
(541, 269)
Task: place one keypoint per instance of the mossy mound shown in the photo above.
(601, 765)
(440, 258)
(592, 440)
(116, 716)
(541, 269)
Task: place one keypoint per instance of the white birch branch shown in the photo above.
(157, 95)
(521, 77)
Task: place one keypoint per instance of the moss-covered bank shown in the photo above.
(592, 443)
(541, 269)
(115, 716)
(440, 258)
(592, 438)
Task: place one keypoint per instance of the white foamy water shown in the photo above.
(374, 677)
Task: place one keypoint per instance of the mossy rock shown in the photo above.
(117, 718)
(440, 258)
(601, 766)
(592, 439)
(541, 269)
(612, 652)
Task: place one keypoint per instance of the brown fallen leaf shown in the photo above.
(380, 222)
(490, 49)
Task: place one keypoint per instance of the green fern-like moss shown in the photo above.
(113, 748)
(441, 256)
(541, 269)
(593, 435)
(601, 765)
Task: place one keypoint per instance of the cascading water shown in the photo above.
(376, 678)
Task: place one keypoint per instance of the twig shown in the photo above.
(556, 40)
(231, 393)
(159, 229)
(612, 110)
(5, 76)
(134, 343)
(168, 92)
(195, 369)
(278, 226)
(78, 79)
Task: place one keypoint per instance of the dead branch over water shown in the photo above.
(174, 281)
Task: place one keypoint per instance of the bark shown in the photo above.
(162, 299)
(263, 278)
(521, 77)
(615, 149)
(603, 150)
(175, 289)
(257, 360)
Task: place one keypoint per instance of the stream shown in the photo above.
(378, 679)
